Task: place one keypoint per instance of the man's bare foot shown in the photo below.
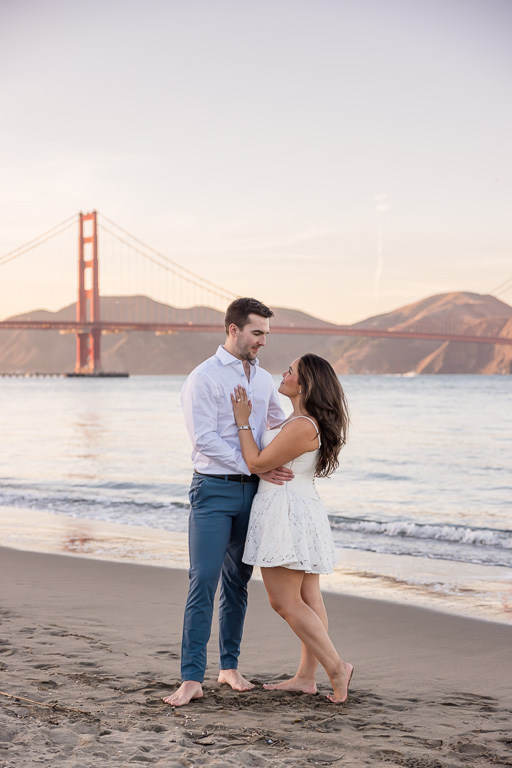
(233, 678)
(299, 684)
(187, 691)
(340, 683)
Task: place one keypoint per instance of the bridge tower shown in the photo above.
(88, 359)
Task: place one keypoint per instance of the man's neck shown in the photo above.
(245, 363)
(231, 348)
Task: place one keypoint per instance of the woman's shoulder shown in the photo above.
(302, 423)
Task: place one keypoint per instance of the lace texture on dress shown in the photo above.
(289, 524)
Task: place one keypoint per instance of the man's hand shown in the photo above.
(278, 476)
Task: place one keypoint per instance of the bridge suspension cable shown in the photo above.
(43, 238)
(172, 269)
(503, 287)
(169, 265)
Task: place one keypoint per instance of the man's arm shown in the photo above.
(277, 476)
(200, 408)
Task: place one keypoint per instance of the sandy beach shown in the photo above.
(88, 648)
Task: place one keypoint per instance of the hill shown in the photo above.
(462, 312)
(145, 353)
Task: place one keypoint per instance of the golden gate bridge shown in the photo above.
(177, 285)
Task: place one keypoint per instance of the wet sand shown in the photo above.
(464, 589)
(88, 648)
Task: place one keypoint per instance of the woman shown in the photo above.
(289, 535)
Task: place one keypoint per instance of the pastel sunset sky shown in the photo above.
(340, 157)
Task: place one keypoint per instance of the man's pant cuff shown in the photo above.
(229, 664)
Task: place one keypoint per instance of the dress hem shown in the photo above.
(292, 566)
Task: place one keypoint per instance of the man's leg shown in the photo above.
(209, 532)
(233, 595)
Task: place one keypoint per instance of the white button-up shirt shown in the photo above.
(206, 402)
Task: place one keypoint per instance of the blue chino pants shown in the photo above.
(219, 516)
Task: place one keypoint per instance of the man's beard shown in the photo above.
(247, 354)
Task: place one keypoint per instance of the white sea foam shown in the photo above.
(485, 537)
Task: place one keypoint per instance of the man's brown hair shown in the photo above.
(239, 310)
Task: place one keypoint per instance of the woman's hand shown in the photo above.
(242, 407)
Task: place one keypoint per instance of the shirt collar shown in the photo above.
(227, 358)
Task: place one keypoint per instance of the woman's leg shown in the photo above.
(284, 588)
(305, 677)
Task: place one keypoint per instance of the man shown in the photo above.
(221, 493)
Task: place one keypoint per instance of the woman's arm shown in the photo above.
(296, 438)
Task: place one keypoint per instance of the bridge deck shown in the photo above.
(170, 328)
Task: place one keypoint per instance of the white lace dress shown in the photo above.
(289, 524)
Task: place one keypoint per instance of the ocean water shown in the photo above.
(420, 504)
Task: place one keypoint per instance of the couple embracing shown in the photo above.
(253, 502)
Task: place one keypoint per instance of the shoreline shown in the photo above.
(89, 648)
(453, 588)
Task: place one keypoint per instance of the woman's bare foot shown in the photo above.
(233, 678)
(187, 691)
(296, 683)
(340, 683)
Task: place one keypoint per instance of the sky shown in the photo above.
(340, 157)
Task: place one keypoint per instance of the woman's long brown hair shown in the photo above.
(324, 399)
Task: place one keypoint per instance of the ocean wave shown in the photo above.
(460, 534)
(170, 511)
(68, 504)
